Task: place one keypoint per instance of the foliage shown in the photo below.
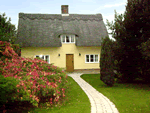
(117, 27)
(130, 30)
(118, 33)
(17, 49)
(8, 88)
(39, 82)
(107, 61)
(8, 49)
(7, 30)
(143, 21)
(135, 23)
(145, 68)
(76, 101)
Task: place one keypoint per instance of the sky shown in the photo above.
(106, 7)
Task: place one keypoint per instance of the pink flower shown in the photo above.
(55, 85)
(48, 83)
(1, 62)
(59, 81)
(25, 88)
(17, 90)
(34, 86)
(17, 85)
(19, 77)
(63, 95)
(33, 77)
(43, 78)
(63, 90)
(44, 86)
(6, 59)
(58, 92)
(36, 98)
(38, 88)
(30, 96)
(50, 99)
(15, 76)
(22, 83)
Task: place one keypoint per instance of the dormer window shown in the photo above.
(68, 38)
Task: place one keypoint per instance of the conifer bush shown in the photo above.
(107, 62)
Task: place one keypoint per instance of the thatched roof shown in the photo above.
(43, 30)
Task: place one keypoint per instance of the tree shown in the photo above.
(8, 33)
(130, 33)
(7, 30)
(137, 22)
(118, 33)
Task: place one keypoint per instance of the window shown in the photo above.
(72, 38)
(87, 58)
(91, 58)
(68, 38)
(44, 57)
(63, 38)
(37, 56)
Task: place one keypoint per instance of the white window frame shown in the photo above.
(93, 58)
(69, 39)
(44, 57)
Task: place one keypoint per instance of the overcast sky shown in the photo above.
(106, 7)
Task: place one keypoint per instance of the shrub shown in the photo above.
(17, 49)
(8, 88)
(107, 62)
(38, 81)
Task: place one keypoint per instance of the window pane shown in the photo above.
(63, 38)
(42, 57)
(72, 38)
(47, 58)
(87, 58)
(91, 59)
(96, 58)
(67, 39)
(37, 56)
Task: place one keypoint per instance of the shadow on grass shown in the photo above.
(136, 84)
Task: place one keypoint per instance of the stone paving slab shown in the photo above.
(99, 103)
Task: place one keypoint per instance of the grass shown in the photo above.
(77, 101)
(127, 97)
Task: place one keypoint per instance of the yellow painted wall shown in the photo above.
(79, 61)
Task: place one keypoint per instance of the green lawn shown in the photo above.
(128, 98)
(77, 102)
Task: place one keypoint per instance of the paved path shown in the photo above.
(99, 103)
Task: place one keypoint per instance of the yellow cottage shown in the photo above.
(70, 41)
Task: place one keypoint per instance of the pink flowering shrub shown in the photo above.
(37, 81)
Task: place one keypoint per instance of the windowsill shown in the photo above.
(68, 43)
(91, 62)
